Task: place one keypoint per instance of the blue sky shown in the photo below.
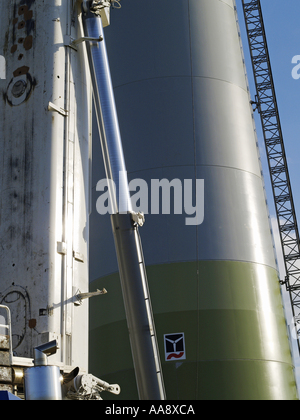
(283, 35)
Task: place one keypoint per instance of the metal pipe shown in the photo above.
(43, 383)
(106, 113)
(127, 242)
(138, 308)
(41, 352)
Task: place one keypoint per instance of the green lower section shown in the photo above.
(235, 332)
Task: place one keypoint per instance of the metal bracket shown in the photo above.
(61, 248)
(98, 5)
(78, 297)
(256, 103)
(88, 387)
(78, 256)
(285, 282)
(138, 218)
(75, 42)
(53, 107)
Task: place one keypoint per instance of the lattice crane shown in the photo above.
(266, 104)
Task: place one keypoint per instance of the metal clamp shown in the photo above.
(99, 4)
(138, 218)
(256, 103)
(53, 107)
(75, 42)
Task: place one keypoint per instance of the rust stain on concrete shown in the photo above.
(20, 71)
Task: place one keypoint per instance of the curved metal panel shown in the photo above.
(235, 227)
(218, 115)
(183, 105)
(232, 317)
(216, 53)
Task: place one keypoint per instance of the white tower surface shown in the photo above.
(45, 159)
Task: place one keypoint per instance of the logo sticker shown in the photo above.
(174, 346)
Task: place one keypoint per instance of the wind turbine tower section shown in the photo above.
(185, 114)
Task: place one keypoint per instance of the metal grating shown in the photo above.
(266, 104)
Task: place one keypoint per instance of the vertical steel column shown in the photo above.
(127, 242)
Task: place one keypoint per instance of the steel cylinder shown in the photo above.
(184, 112)
(45, 155)
(43, 383)
(111, 143)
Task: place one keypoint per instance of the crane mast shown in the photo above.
(267, 107)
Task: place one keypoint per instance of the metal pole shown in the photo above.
(127, 242)
(138, 309)
(42, 382)
(106, 113)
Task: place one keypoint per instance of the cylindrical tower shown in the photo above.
(44, 177)
(184, 114)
